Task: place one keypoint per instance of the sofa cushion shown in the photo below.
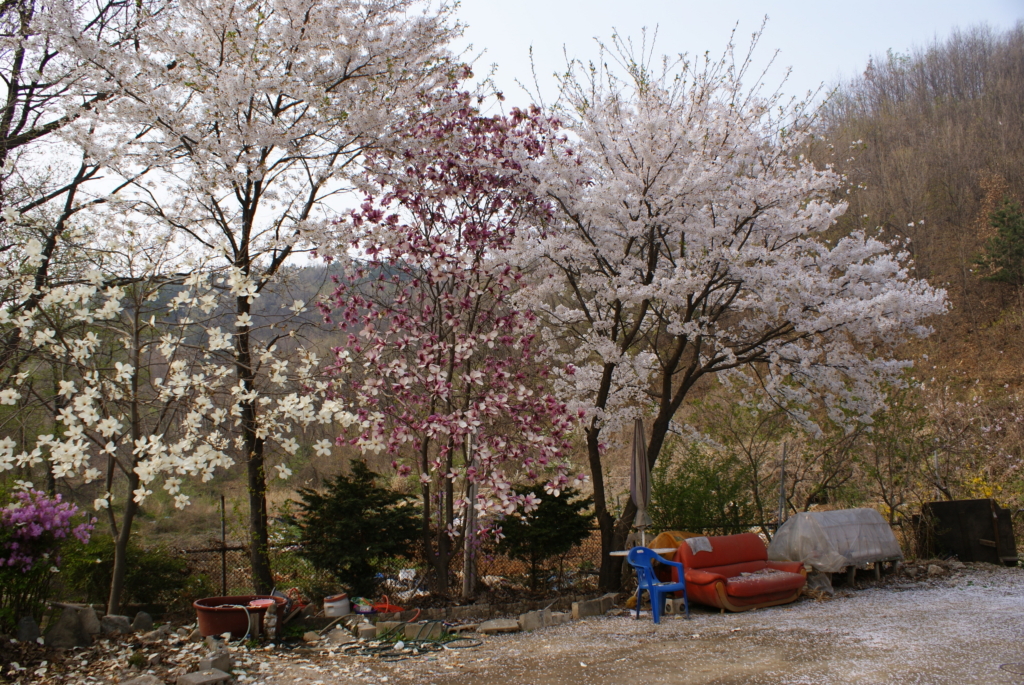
(725, 550)
(702, 577)
(763, 582)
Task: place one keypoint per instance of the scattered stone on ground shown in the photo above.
(211, 676)
(161, 633)
(28, 630)
(534, 620)
(899, 630)
(465, 628)
(590, 607)
(218, 660)
(430, 630)
(366, 631)
(935, 570)
(498, 625)
(311, 636)
(90, 621)
(144, 679)
(68, 631)
(142, 622)
(340, 636)
(112, 623)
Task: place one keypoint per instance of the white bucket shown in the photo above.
(337, 606)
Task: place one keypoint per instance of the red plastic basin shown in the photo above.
(219, 615)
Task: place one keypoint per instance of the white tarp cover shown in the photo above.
(832, 540)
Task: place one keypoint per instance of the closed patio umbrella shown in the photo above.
(640, 480)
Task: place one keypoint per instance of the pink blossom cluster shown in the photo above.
(34, 526)
(436, 352)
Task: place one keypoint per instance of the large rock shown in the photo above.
(142, 623)
(112, 623)
(68, 631)
(28, 630)
(90, 621)
(498, 625)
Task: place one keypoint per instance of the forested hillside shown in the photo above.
(932, 145)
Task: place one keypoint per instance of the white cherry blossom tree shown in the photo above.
(688, 242)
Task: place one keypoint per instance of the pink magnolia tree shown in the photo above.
(436, 357)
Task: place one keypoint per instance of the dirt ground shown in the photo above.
(966, 628)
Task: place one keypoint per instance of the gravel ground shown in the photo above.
(967, 627)
(961, 629)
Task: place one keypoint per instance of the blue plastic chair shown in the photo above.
(643, 559)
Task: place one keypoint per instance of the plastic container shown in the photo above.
(337, 605)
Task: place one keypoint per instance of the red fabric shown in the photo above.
(699, 577)
(762, 584)
(725, 550)
(761, 599)
(736, 569)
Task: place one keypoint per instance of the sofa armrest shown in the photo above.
(788, 566)
(699, 577)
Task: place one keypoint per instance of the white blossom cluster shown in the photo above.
(686, 240)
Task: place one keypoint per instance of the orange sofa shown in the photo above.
(736, 574)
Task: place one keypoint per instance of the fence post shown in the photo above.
(782, 487)
(223, 552)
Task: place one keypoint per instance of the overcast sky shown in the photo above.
(822, 41)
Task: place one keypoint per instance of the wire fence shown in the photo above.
(228, 569)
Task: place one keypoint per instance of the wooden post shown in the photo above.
(782, 488)
(223, 551)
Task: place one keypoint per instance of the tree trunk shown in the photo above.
(131, 507)
(609, 576)
(620, 528)
(259, 537)
(120, 569)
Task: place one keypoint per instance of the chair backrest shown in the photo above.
(725, 550)
(642, 559)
